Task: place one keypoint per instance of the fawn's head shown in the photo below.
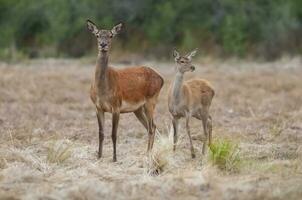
(103, 36)
(184, 63)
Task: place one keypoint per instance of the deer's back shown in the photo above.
(201, 91)
(136, 83)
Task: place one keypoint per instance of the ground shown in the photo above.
(48, 135)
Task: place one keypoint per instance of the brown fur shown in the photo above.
(133, 85)
(190, 98)
(199, 91)
(134, 89)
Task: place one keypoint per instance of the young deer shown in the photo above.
(133, 89)
(191, 98)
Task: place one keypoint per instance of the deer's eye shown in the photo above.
(110, 35)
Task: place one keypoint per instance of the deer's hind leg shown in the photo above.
(149, 111)
(204, 119)
(209, 127)
(189, 134)
(140, 115)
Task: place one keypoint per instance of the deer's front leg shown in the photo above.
(100, 117)
(115, 121)
(175, 129)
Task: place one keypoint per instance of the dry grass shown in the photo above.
(58, 152)
(48, 136)
(160, 158)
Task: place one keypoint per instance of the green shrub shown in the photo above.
(234, 27)
(225, 155)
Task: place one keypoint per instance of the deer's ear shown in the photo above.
(191, 54)
(176, 55)
(92, 27)
(116, 29)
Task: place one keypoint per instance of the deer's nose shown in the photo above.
(103, 45)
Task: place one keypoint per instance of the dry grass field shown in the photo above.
(48, 136)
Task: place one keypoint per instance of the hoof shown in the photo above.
(114, 160)
(193, 156)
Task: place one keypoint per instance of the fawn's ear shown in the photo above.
(191, 54)
(116, 29)
(92, 27)
(176, 55)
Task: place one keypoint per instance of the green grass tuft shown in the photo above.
(225, 155)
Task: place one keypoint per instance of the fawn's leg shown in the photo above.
(204, 120)
(189, 134)
(175, 129)
(209, 128)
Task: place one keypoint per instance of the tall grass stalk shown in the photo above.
(58, 152)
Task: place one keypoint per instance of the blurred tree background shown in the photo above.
(52, 28)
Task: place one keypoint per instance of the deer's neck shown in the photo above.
(177, 86)
(101, 77)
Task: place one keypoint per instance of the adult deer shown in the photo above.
(134, 89)
(189, 99)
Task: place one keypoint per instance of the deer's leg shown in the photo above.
(149, 109)
(189, 134)
(204, 120)
(209, 127)
(140, 114)
(100, 117)
(175, 129)
(115, 121)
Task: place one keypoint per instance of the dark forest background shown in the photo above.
(245, 28)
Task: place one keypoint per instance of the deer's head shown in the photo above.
(184, 63)
(104, 37)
